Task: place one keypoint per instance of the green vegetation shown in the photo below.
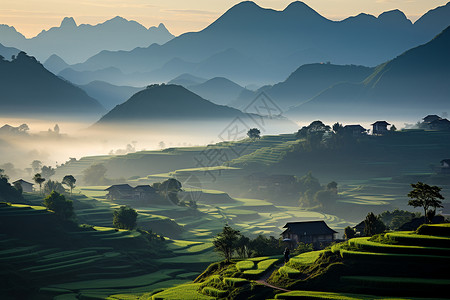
(426, 196)
(58, 203)
(124, 217)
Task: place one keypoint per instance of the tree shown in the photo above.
(18, 187)
(337, 127)
(95, 175)
(254, 133)
(36, 165)
(60, 205)
(56, 128)
(47, 171)
(69, 180)
(393, 128)
(349, 233)
(125, 217)
(51, 186)
(373, 225)
(425, 196)
(39, 180)
(225, 242)
(243, 246)
(169, 189)
(3, 176)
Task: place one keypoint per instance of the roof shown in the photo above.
(355, 127)
(381, 123)
(145, 188)
(122, 187)
(440, 122)
(309, 227)
(432, 117)
(22, 181)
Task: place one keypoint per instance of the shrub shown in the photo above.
(58, 203)
(125, 218)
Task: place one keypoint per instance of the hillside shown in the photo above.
(109, 95)
(75, 43)
(397, 265)
(166, 103)
(45, 93)
(412, 84)
(306, 82)
(298, 35)
(8, 52)
(218, 90)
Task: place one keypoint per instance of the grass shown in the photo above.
(262, 267)
(181, 292)
(288, 271)
(245, 265)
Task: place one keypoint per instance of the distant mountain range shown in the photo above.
(304, 83)
(109, 95)
(76, 43)
(415, 83)
(8, 52)
(249, 44)
(27, 88)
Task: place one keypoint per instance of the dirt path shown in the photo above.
(263, 279)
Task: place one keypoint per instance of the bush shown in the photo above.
(58, 203)
(125, 218)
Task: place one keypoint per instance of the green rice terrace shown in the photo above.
(396, 265)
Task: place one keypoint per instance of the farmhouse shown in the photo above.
(380, 127)
(431, 118)
(26, 186)
(309, 232)
(354, 130)
(441, 124)
(126, 192)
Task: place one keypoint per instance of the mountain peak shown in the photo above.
(393, 16)
(297, 6)
(68, 22)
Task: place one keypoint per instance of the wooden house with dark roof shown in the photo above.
(308, 232)
(354, 130)
(441, 124)
(119, 192)
(144, 192)
(26, 186)
(431, 118)
(380, 127)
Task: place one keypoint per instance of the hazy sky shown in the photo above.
(31, 16)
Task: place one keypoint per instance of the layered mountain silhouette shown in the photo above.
(186, 80)
(8, 52)
(167, 103)
(109, 95)
(304, 83)
(251, 44)
(218, 90)
(27, 88)
(75, 43)
(414, 83)
(55, 64)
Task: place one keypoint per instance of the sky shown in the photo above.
(32, 16)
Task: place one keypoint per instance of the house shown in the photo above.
(431, 118)
(416, 222)
(354, 130)
(380, 127)
(143, 192)
(126, 192)
(360, 228)
(119, 191)
(26, 186)
(309, 232)
(441, 124)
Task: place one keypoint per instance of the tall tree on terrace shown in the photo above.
(425, 196)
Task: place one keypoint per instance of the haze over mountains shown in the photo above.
(249, 44)
(27, 88)
(413, 84)
(76, 43)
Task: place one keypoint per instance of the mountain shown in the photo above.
(8, 52)
(75, 43)
(55, 64)
(27, 88)
(262, 45)
(187, 80)
(167, 103)
(111, 75)
(218, 90)
(107, 94)
(413, 84)
(306, 82)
